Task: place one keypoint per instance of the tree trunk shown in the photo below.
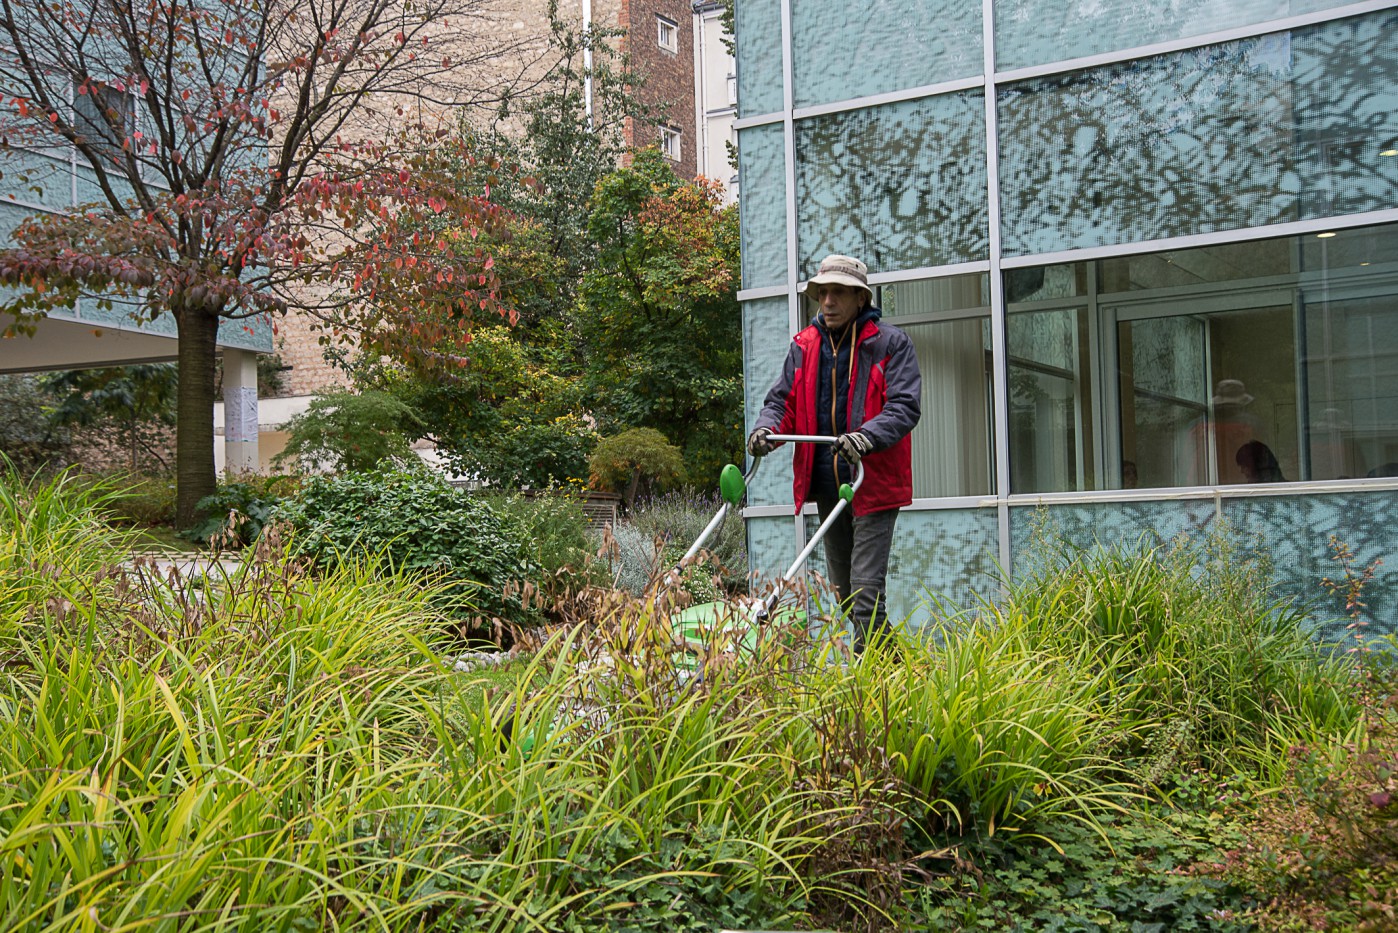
(194, 430)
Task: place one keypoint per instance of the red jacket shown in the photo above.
(885, 403)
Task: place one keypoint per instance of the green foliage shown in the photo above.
(28, 440)
(352, 431)
(477, 556)
(240, 510)
(1141, 877)
(133, 406)
(565, 150)
(145, 499)
(634, 461)
(270, 750)
(1326, 851)
(1190, 639)
(554, 528)
(508, 419)
(660, 316)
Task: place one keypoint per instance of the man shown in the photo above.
(850, 376)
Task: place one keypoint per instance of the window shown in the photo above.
(948, 320)
(732, 89)
(667, 33)
(670, 143)
(1260, 362)
(106, 118)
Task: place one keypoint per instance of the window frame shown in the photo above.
(669, 134)
(667, 33)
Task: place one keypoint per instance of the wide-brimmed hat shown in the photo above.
(1231, 392)
(840, 270)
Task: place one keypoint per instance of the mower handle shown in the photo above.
(846, 499)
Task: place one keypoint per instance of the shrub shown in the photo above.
(635, 462)
(239, 510)
(554, 528)
(424, 527)
(678, 518)
(351, 431)
(28, 440)
(143, 498)
(1193, 642)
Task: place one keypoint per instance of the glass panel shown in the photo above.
(1294, 532)
(1351, 373)
(1051, 401)
(898, 44)
(1262, 362)
(1210, 398)
(950, 555)
(933, 296)
(36, 178)
(762, 208)
(1033, 32)
(1261, 131)
(772, 547)
(1038, 533)
(952, 445)
(900, 186)
(758, 28)
(766, 337)
(1052, 391)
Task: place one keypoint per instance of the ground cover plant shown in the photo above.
(286, 748)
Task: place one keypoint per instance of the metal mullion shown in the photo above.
(1212, 303)
(789, 153)
(789, 150)
(1198, 493)
(1214, 238)
(929, 272)
(1000, 346)
(1258, 286)
(766, 291)
(940, 317)
(766, 119)
(1250, 31)
(949, 503)
(892, 97)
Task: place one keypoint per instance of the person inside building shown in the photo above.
(851, 376)
(1258, 463)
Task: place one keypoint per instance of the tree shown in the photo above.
(250, 154)
(138, 400)
(352, 431)
(514, 416)
(660, 316)
(508, 418)
(635, 461)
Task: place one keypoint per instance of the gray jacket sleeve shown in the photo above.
(774, 406)
(903, 403)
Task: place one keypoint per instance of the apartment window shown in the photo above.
(670, 142)
(106, 118)
(732, 89)
(667, 33)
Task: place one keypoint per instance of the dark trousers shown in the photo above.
(856, 556)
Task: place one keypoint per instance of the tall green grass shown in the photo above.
(1193, 647)
(276, 749)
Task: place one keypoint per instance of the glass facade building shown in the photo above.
(1148, 256)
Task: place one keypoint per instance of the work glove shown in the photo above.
(853, 446)
(758, 445)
